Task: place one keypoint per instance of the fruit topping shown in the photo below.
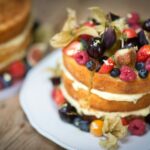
(55, 80)
(124, 121)
(143, 53)
(84, 125)
(125, 57)
(73, 48)
(142, 38)
(109, 38)
(96, 127)
(137, 127)
(67, 113)
(102, 59)
(147, 64)
(147, 119)
(143, 73)
(133, 18)
(107, 66)
(58, 97)
(76, 121)
(132, 42)
(7, 79)
(89, 23)
(146, 25)
(127, 74)
(112, 16)
(91, 65)
(139, 65)
(130, 33)
(17, 69)
(115, 72)
(81, 57)
(96, 48)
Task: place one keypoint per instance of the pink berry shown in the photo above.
(147, 64)
(127, 74)
(137, 127)
(133, 18)
(81, 57)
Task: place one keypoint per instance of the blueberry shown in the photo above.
(142, 38)
(131, 42)
(98, 66)
(77, 121)
(84, 125)
(55, 80)
(139, 65)
(115, 72)
(91, 65)
(101, 59)
(146, 25)
(143, 73)
(147, 119)
(95, 48)
(112, 16)
(7, 80)
(67, 113)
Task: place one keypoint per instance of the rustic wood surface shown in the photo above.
(15, 131)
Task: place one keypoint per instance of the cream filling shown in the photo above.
(19, 39)
(89, 111)
(105, 95)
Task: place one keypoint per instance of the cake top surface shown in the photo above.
(108, 43)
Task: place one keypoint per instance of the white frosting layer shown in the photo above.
(99, 114)
(105, 95)
(18, 39)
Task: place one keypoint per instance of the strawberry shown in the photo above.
(58, 96)
(130, 33)
(73, 48)
(89, 24)
(17, 69)
(107, 66)
(124, 121)
(144, 53)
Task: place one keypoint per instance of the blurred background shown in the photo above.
(54, 11)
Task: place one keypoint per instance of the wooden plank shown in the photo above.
(15, 131)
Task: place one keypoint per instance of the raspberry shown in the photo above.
(137, 127)
(133, 18)
(81, 57)
(17, 69)
(127, 74)
(147, 64)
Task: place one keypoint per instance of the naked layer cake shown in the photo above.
(105, 74)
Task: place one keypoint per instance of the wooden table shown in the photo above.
(15, 131)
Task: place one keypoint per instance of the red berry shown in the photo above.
(85, 37)
(147, 64)
(58, 97)
(72, 48)
(81, 57)
(127, 74)
(133, 18)
(107, 66)
(17, 69)
(124, 121)
(143, 53)
(89, 24)
(137, 127)
(130, 33)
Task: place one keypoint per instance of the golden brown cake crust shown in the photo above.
(14, 16)
(101, 104)
(105, 82)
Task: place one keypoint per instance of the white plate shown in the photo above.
(42, 113)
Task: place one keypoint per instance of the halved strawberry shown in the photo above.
(89, 24)
(130, 33)
(144, 53)
(58, 97)
(107, 66)
(73, 48)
